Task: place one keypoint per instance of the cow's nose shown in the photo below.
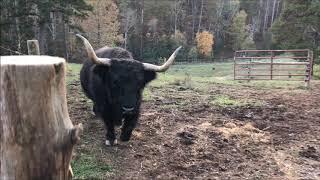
(127, 109)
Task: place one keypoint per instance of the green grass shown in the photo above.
(225, 101)
(89, 167)
(73, 71)
(316, 72)
(198, 76)
(202, 70)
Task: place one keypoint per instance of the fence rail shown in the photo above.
(254, 64)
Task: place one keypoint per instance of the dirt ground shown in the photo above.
(183, 135)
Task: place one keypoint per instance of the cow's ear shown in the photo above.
(149, 76)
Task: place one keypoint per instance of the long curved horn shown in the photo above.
(163, 67)
(92, 55)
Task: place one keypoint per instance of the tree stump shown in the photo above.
(36, 133)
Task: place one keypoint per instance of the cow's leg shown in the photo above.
(110, 135)
(95, 110)
(108, 122)
(130, 122)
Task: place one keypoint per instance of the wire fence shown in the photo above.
(11, 51)
(192, 61)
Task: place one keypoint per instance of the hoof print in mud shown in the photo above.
(186, 138)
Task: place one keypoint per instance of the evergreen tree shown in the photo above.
(238, 34)
(299, 26)
(46, 20)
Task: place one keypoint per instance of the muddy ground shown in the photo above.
(183, 134)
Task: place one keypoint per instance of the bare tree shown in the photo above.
(129, 22)
(194, 13)
(273, 10)
(200, 16)
(266, 16)
(102, 25)
(142, 25)
(177, 10)
(17, 26)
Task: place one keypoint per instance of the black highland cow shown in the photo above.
(114, 81)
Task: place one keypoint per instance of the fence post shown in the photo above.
(312, 62)
(37, 135)
(234, 65)
(33, 47)
(271, 68)
(309, 70)
(249, 69)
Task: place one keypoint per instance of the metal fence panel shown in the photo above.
(273, 65)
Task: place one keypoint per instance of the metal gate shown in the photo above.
(273, 65)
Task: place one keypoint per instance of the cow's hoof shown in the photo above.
(108, 143)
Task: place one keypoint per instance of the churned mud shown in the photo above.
(183, 134)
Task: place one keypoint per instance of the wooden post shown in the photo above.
(311, 62)
(33, 47)
(271, 65)
(234, 65)
(249, 69)
(36, 133)
(308, 70)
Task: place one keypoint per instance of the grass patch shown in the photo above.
(202, 70)
(147, 94)
(316, 72)
(88, 167)
(225, 101)
(199, 76)
(73, 72)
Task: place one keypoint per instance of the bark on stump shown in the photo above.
(36, 133)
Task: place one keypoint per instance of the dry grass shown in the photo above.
(244, 133)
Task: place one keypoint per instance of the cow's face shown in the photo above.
(126, 80)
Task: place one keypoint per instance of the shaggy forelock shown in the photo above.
(113, 52)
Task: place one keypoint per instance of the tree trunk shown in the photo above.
(17, 26)
(273, 11)
(193, 17)
(125, 39)
(142, 27)
(200, 16)
(36, 133)
(43, 38)
(175, 18)
(266, 15)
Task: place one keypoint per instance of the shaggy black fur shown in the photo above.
(116, 89)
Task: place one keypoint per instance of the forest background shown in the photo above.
(208, 30)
